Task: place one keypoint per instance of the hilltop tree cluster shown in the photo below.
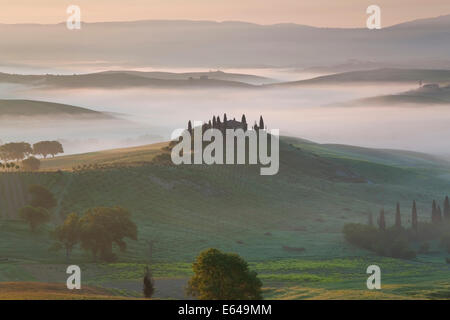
(225, 123)
(395, 241)
(13, 152)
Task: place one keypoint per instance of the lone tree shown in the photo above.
(398, 218)
(31, 164)
(46, 148)
(189, 126)
(223, 276)
(382, 221)
(149, 286)
(34, 216)
(68, 234)
(101, 227)
(446, 209)
(41, 197)
(414, 221)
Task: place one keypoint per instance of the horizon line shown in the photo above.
(220, 22)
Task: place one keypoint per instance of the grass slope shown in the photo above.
(37, 108)
(288, 225)
(117, 80)
(376, 76)
(49, 291)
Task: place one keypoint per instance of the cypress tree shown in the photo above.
(433, 212)
(446, 209)
(438, 214)
(261, 123)
(255, 126)
(398, 218)
(225, 120)
(382, 221)
(149, 287)
(244, 122)
(370, 219)
(214, 121)
(189, 126)
(414, 221)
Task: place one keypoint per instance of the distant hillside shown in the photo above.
(37, 108)
(118, 80)
(215, 75)
(431, 94)
(229, 44)
(376, 76)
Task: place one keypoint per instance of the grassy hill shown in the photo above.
(125, 79)
(43, 108)
(376, 76)
(288, 226)
(215, 75)
(423, 96)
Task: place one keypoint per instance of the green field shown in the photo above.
(287, 226)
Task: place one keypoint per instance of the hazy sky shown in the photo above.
(323, 13)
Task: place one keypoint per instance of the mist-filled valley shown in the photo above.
(318, 113)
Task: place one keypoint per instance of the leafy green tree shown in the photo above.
(223, 276)
(149, 286)
(414, 220)
(34, 216)
(46, 148)
(31, 164)
(15, 151)
(68, 234)
(41, 197)
(101, 227)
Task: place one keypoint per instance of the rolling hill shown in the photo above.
(427, 95)
(215, 75)
(125, 79)
(387, 75)
(288, 226)
(210, 44)
(30, 108)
